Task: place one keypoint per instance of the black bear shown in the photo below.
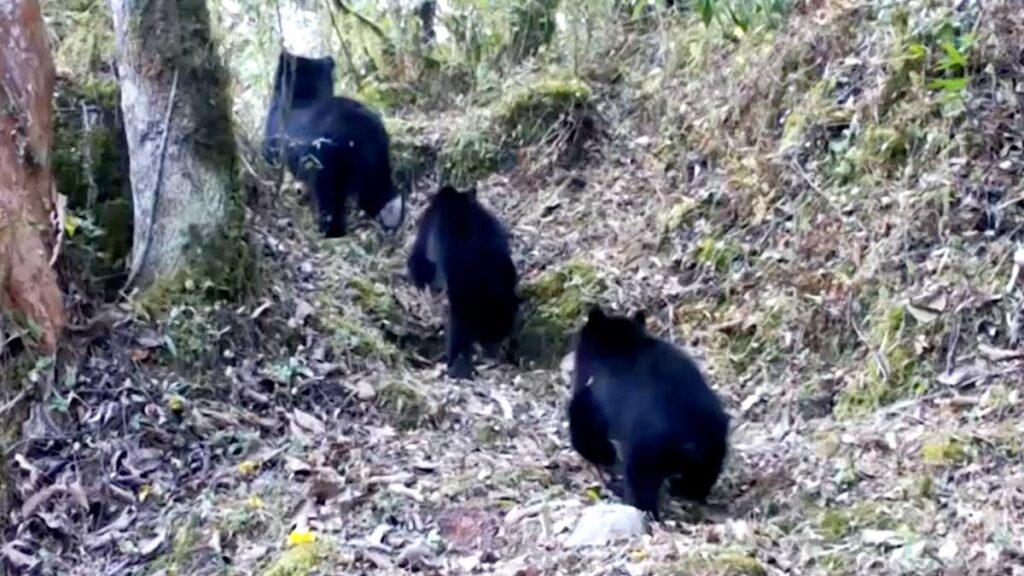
(650, 398)
(333, 144)
(462, 248)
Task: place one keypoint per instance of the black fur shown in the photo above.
(463, 248)
(648, 396)
(334, 144)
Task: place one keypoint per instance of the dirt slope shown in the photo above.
(834, 234)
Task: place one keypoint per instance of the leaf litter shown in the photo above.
(864, 331)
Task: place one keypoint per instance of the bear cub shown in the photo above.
(335, 145)
(463, 249)
(648, 396)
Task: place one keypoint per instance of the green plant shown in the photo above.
(741, 15)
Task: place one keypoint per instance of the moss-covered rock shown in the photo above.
(412, 156)
(555, 303)
(472, 151)
(547, 106)
(404, 403)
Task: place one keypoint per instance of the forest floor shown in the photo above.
(863, 332)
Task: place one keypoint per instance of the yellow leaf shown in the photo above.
(301, 536)
(248, 468)
(176, 403)
(255, 502)
(71, 223)
(144, 491)
(638, 555)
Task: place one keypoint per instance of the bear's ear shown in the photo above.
(330, 61)
(640, 319)
(471, 193)
(447, 190)
(595, 314)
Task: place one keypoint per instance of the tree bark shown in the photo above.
(28, 285)
(174, 96)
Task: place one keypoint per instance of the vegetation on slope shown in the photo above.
(821, 200)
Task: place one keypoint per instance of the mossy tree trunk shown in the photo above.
(174, 96)
(28, 285)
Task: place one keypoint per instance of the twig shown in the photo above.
(138, 262)
(821, 193)
(954, 336)
(348, 10)
(879, 359)
(14, 401)
(344, 48)
(61, 210)
(252, 171)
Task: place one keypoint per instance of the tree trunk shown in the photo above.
(28, 285)
(174, 95)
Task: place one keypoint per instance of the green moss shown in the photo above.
(806, 114)
(412, 157)
(86, 33)
(677, 215)
(943, 452)
(185, 540)
(835, 524)
(387, 96)
(90, 169)
(904, 376)
(555, 302)
(529, 114)
(374, 299)
(175, 37)
(406, 404)
(834, 563)
(350, 337)
(225, 263)
(471, 152)
(718, 253)
(727, 562)
(114, 218)
(924, 487)
(487, 433)
(300, 560)
(162, 295)
(222, 267)
(179, 558)
(533, 27)
(877, 389)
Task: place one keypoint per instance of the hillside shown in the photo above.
(825, 209)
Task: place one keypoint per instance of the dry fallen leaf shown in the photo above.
(248, 468)
(309, 422)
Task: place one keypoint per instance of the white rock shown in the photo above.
(565, 367)
(948, 550)
(605, 523)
